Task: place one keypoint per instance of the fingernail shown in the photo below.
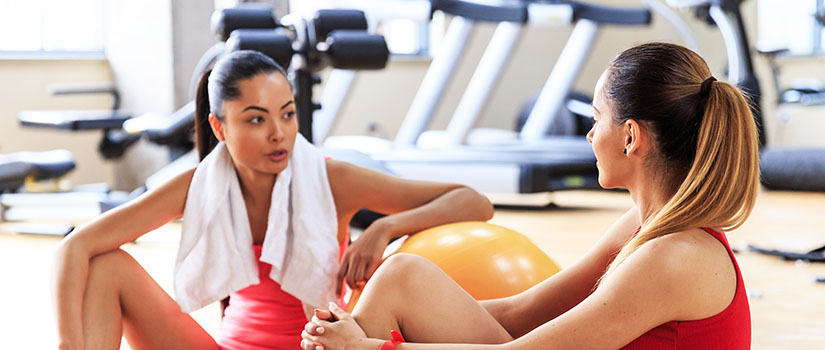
(319, 330)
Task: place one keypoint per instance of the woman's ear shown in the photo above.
(635, 136)
(217, 126)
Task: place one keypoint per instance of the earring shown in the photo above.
(624, 151)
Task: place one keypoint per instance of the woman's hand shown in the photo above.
(312, 328)
(364, 255)
(332, 330)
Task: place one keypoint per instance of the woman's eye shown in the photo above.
(289, 115)
(256, 120)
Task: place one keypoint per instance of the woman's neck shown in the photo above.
(648, 195)
(256, 187)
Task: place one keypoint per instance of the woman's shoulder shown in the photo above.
(181, 182)
(684, 250)
(177, 183)
(344, 185)
(696, 267)
(174, 191)
(338, 173)
(693, 242)
(334, 167)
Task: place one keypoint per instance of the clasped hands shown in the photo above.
(331, 329)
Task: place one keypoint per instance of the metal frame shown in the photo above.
(435, 82)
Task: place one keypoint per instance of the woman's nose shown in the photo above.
(277, 133)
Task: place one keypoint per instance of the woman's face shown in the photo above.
(260, 126)
(608, 140)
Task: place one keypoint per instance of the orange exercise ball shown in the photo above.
(489, 261)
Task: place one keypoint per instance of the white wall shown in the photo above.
(153, 46)
(191, 36)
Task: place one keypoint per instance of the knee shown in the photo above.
(397, 275)
(110, 265)
(404, 262)
(404, 268)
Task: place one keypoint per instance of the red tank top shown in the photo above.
(263, 316)
(729, 329)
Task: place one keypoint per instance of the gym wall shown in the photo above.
(25, 85)
(153, 47)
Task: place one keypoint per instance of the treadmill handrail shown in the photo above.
(504, 12)
(610, 15)
(520, 11)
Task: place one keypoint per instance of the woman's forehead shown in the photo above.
(600, 84)
(273, 80)
(265, 89)
(598, 91)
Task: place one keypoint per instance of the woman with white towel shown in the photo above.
(265, 223)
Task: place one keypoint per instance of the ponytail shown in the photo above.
(721, 185)
(205, 139)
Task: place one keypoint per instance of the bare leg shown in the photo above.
(122, 299)
(411, 294)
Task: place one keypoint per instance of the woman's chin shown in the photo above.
(273, 169)
(606, 184)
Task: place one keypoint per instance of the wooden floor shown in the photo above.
(787, 306)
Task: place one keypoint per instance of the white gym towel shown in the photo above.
(215, 256)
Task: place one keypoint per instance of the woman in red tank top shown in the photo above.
(663, 276)
(246, 102)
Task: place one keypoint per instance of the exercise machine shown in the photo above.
(528, 163)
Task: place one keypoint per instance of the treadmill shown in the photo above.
(526, 164)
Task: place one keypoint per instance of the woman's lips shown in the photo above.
(278, 156)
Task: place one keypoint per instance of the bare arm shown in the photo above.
(547, 300)
(106, 233)
(412, 205)
(355, 188)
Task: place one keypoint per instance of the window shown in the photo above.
(406, 36)
(796, 25)
(52, 26)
